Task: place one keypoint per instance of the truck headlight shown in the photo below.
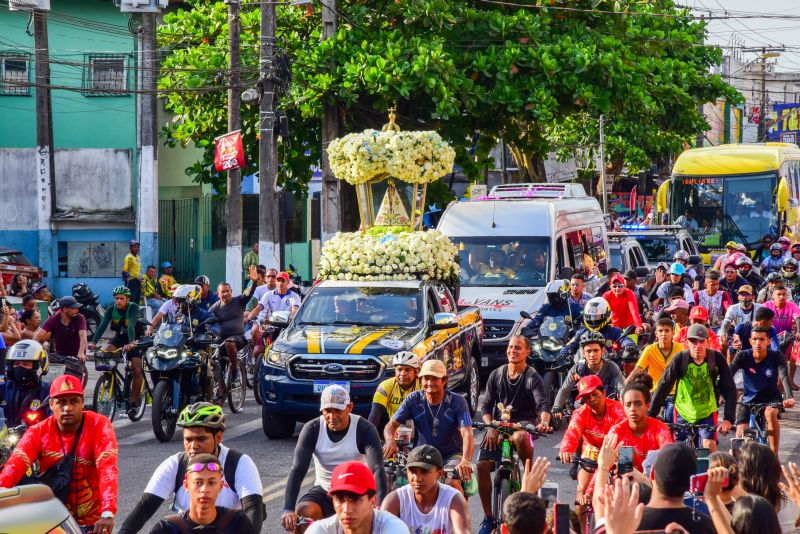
(278, 358)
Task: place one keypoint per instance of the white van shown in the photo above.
(513, 242)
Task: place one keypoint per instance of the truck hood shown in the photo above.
(502, 303)
(351, 339)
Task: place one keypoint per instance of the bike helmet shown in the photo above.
(557, 293)
(742, 261)
(202, 280)
(681, 255)
(596, 314)
(121, 290)
(27, 350)
(203, 414)
(590, 337)
(405, 357)
(773, 277)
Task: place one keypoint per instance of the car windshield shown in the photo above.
(381, 306)
(658, 249)
(503, 261)
(615, 251)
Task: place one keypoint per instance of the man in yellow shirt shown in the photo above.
(167, 280)
(392, 391)
(150, 290)
(656, 356)
(132, 270)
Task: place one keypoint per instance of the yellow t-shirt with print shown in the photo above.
(390, 395)
(655, 362)
(166, 282)
(132, 265)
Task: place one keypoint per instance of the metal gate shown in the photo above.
(177, 236)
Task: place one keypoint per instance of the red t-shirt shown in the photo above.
(624, 309)
(584, 425)
(655, 436)
(66, 339)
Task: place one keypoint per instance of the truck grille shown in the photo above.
(355, 368)
(497, 328)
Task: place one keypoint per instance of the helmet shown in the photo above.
(557, 292)
(166, 265)
(795, 248)
(789, 273)
(406, 357)
(592, 337)
(202, 280)
(783, 240)
(630, 353)
(188, 292)
(681, 255)
(121, 290)
(776, 246)
(596, 314)
(26, 351)
(203, 414)
(773, 277)
(741, 261)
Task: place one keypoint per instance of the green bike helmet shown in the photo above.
(202, 414)
(121, 290)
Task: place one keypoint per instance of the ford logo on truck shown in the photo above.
(333, 369)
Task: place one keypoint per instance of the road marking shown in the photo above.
(271, 497)
(239, 430)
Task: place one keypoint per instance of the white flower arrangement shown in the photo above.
(406, 256)
(413, 157)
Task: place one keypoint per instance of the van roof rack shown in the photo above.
(534, 190)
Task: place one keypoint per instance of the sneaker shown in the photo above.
(133, 409)
(487, 526)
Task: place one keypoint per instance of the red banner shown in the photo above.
(228, 152)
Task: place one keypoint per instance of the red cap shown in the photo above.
(699, 312)
(284, 275)
(66, 385)
(617, 278)
(354, 477)
(588, 384)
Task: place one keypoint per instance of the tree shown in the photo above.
(535, 76)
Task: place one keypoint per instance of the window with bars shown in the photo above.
(105, 75)
(15, 72)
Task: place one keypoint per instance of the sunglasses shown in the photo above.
(617, 286)
(272, 276)
(196, 468)
(730, 271)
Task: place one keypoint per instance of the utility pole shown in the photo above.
(330, 202)
(233, 202)
(147, 214)
(269, 231)
(766, 53)
(45, 152)
(603, 164)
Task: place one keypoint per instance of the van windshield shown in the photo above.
(501, 261)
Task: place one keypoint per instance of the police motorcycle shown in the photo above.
(181, 367)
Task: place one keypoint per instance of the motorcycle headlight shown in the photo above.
(551, 345)
(278, 358)
(536, 346)
(167, 354)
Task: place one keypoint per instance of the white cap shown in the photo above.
(334, 396)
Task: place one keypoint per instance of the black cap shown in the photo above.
(697, 331)
(426, 457)
(675, 464)
(631, 275)
(69, 302)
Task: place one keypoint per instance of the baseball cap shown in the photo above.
(284, 275)
(617, 279)
(677, 305)
(588, 384)
(677, 268)
(353, 477)
(745, 289)
(133, 242)
(426, 457)
(166, 265)
(697, 331)
(69, 302)
(674, 466)
(732, 244)
(66, 385)
(334, 396)
(38, 287)
(699, 312)
(433, 368)
(630, 275)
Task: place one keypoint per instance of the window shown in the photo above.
(14, 69)
(105, 75)
(91, 259)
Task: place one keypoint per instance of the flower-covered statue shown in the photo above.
(390, 170)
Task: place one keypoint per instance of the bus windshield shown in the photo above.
(503, 261)
(725, 208)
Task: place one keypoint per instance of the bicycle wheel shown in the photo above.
(246, 355)
(105, 396)
(257, 378)
(501, 491)
(237, 388)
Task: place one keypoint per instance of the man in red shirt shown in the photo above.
(624, 307)
(698, 315)
(92, 497)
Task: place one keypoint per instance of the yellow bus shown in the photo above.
(738, 192)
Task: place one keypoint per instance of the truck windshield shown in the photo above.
(658, 249)
(499, 261)
(382, 306)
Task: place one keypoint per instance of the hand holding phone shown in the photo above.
(625, 461)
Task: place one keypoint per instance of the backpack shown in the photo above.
(181, 525)
(228, 470)
(711, 361)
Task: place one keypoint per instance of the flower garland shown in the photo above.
(407, 256)
(413, 157)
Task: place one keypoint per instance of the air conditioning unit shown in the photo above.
(141, 6)
(29, 5)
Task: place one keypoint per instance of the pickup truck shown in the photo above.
(348, 332)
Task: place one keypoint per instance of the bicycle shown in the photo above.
(112, 391)
(692, 433)
(757, 430)
(507, 479)
(65, 364)
(224, 386)
(396, 469)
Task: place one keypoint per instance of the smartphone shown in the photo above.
(625, 460)
(736, 447)
(697, 483)
(702, 452)
(549, 493)
(702, 465)
(561, 519)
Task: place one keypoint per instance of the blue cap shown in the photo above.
(166, 265)
(677, 268)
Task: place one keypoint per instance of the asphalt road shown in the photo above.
(140, 453)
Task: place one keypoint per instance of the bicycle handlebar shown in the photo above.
(756, 406)
(676, 427)
(509, 428)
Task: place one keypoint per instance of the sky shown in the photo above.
(756, 32)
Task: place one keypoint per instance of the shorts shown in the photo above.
(703, 434)
(237, 339)
(320, 497)
(743, 411)
(495, 455)
(450, 464)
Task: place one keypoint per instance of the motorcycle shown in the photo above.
(302, 286)
(546, 358)
(180, 366)
(10, 436)
(625, 357)
(270, 331)
(90, 306)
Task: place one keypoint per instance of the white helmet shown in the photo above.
(190, 292)
(28, 350)
(406, 357)
(597, 313)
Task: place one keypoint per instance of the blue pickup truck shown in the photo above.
(348, 332)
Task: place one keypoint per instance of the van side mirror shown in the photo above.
(565, 273)
(642, 271)
(444, 321)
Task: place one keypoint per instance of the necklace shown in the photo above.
(516, 384)
(435, 417)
